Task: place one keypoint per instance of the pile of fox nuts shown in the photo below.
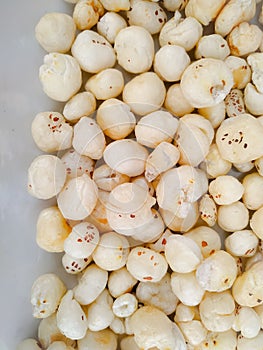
(156, 165)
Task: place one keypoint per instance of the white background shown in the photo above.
(21, 98)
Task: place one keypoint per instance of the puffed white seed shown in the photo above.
(242, 243)
(111, 252)
(82, 240)
(175, 101)
(100, 314)
(52, 230)
(173, 5)
(101, 340)
(60, 76)
(233, 217)
(55, 32)
(259, 311)
(217, 311)
(75, 265)
(116, 5)
(240, 70)
(247, 322)
(244, 167)
(145, 265)
(254, 343)
(91, 284)
(121, 282)
(115, 119)
(253, 100)
(71, 319)
(77, 164)
(220, 340)
(206, 82)
(204, 14)
(206, 238)
(187, 289)
(117, 325)
(138, 56)
(93, 52)
(159, 245)
(253, 187)
(213, 46)
(125, 305)
(156, 127)
(234, 103)
(233, 13)
(106, 84)
(46, 176)
(208, 210)
(110, 24)
(226, 190)
(193, 331)
(126, 156)
(86, 13)
(184, 313)
(164, 333)
(182, 253)
(217, 272)
(256, 222)
(128, 343)
(46, 293)
(148, 15)
(259, 165)
(254, 60)
(158, 294)
(145, 93)
(178, 187)
(88, 138)
(179, 224)
(163, 62)
(214, 164)
(107, 179)
(244, 39)
(253, 260)
(78, 198)
(50, 132)
(215, 114)
(151, 230)
(194, 132)
(28, 344)
(48, 331)
(80, 105)
(180, 31)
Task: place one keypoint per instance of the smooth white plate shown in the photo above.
(21, 98)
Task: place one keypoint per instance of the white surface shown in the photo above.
(21, 98)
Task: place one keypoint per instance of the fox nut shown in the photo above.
(115, 119)
(217, 272)
(182, 253)
(46, 293)
(206, 82)
(55, 32)
(145, 93)
(46, 176)
(88, 138)
(80, 105)
(110, 24)
(60, 76)
(93, 52)
(78, 198)
(138, 56)
(52, 230)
